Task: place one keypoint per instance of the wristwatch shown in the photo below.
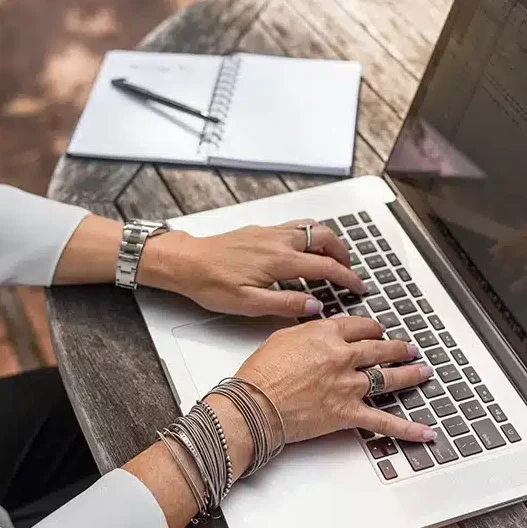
(135, 234)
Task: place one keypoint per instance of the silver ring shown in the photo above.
(307, 228)
(376, 379)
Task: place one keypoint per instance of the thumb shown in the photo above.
(287, 303)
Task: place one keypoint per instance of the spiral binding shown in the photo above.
(221, 102)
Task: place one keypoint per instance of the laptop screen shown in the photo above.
(461, 158)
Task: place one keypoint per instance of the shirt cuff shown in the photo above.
(117, 500)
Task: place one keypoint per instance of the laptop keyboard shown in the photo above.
(456, 403)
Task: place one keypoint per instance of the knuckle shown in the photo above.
(384, 423)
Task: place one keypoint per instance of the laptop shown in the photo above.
(441, 240)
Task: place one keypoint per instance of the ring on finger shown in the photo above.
(309, 236)
(376, 380)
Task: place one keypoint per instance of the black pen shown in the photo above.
(123, 84)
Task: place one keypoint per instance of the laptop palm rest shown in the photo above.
(216, 348)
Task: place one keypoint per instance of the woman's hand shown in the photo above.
(312, 372)
(232, 273)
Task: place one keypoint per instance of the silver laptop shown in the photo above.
(441, 240)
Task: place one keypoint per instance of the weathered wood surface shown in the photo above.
(105, 354)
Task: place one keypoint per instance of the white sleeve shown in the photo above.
(33, 234)
(117, 500)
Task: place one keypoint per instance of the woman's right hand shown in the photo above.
(312, 372)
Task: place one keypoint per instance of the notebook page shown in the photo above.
(118, 125)
(292, 114)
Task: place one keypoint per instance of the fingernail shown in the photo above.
(383, 328)
(363, 289)
(313, 306)
(428, 435)
(426, 372)
(338, 316)
(412, 351)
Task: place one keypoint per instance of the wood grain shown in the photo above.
(105, 354)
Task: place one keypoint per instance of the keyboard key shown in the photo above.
(437, 356)
(313, 284)
(357, 233)
(382, 447)
(436, 322)
(484, 394)
(455, 426)
(348, 220)
(362, 272)
(459, 357)
(468, 445)
(416, 454)
(384, 245)
(497, 413)
(472, 410)
(373, 229)
(325, 295)
(460, 391)
(375, 261)
(332, 225)
(378, 304)
(405, 306)
(332, 309)
(411, 399)
(294, 285)
(366, 435)
(399, 333)
(448, 373)
(393, 259)
(511, 433)
(414, 290)
(354, 258)
(425, 306)
(423, 416)
(403, 274)
(415, 322)
(387, 469)
(389, 320)
(432, 388)
(346, 243)
(337, 287)
(441, 448)
(447, 339)
(349, 299)
(371, 288)
(396, 411)
(309, 318)
(395, 291)
(426, 339)
(365, 217)
(365, 248)
(471, 374)
(381, 400)
(443, 407)
(385, 276)
(488, 434)
(359, 311)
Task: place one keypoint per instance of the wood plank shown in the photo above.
(196, 189)
(512, 516)
(78, 179)
(377, 122)
(147, 197)
(389, 26)
(251, 185)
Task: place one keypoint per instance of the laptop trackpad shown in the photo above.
(216, 348)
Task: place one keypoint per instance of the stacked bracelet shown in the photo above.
(201, 435)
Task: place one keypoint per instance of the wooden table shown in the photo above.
(105, 354)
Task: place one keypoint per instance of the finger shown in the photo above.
(316, 267)
(369, 353)
(286, 303)
(324, 240)
(293, 224)
(396, 378)
(357, 328)
(388, 425)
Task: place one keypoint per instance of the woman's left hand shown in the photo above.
(232, 272)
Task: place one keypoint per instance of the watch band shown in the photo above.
(135, 234)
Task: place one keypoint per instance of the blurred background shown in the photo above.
(50, 51)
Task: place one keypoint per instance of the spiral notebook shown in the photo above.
(276, 113)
